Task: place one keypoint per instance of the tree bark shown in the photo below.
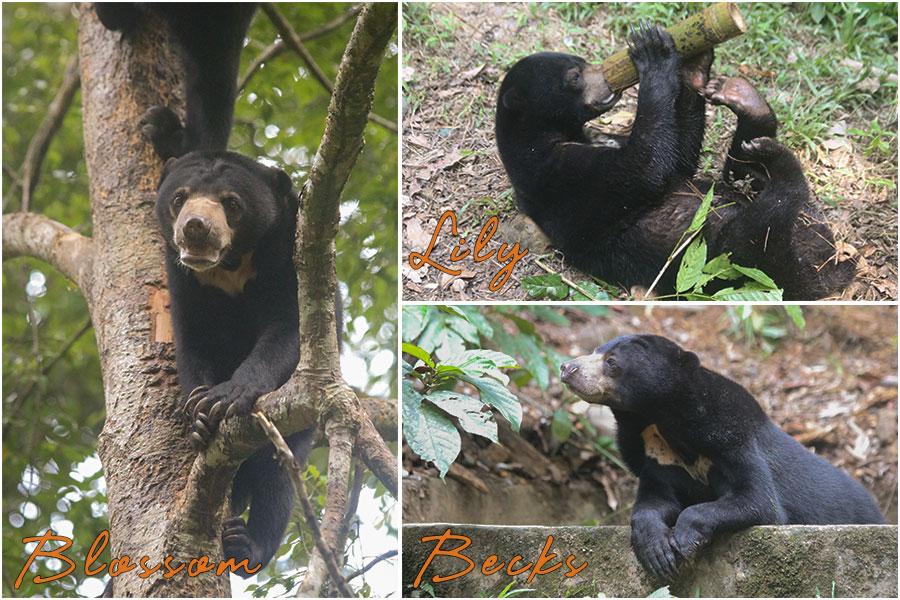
(144, 445)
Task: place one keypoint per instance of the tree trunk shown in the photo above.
(144, 445)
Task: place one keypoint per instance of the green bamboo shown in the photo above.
(696, 34)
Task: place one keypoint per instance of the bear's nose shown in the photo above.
(196, 229)
(566, 370)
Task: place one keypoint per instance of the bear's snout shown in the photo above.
(196, 230)
(566, 370)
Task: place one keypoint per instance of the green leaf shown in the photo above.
(463, 328)
(692, 263)
(479, 362)
(468, 410)
(414, 350)
(495, 394)
(756, 275)
(453, 310)
(475, 317)
(482, 360)
(542, 287)
(449, 343)
(429, 432)
(748, 294)
(534, 360)
(795, 312)
(434, 437)
(596, 292)
(561, 425)
(700, 216)
(413, 321)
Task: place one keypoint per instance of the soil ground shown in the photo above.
(454, 58)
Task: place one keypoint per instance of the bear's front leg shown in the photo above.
(748, 498)
(269, 365)
(655, 510)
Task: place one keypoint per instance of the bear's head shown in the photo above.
(555, 88)
(632, 373)
(217, 207)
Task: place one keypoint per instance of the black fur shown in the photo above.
(211, 36)
(231, 346)
(619, 212)
(757, 474)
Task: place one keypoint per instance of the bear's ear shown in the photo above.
(514, 99)
(283, 188)
(689, 360)
(165, 170)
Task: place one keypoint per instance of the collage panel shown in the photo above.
(535, 435)
(200, 315)
(449, 299)
(755, 161)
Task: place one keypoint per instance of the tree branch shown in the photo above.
(372, 563)
(295, 43)
(381, 461)
(30, 234)
(287, 460)
(278, 47)
(37, 148)
(340, 456)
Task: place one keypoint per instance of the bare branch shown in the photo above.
(372, 563)
(30, 234)
(294, 42)
(381, 461)
(278, 47)
(287, 460)
(340, 456)
(37, 148)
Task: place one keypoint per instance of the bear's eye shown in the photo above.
(573, 77)
(611, 368)
(178, 200)
(231, 203)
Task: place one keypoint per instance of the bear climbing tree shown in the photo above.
(164, 499)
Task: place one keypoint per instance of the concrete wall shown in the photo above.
(857, 560)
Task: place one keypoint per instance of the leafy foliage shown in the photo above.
(764, 326)
(52, 389)
(695, 273)
(429, 389)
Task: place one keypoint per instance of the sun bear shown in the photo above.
(229, 226)
(707, 457)
(619, 212)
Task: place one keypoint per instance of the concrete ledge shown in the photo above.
(787, 561)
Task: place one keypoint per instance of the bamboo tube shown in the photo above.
(699, 32)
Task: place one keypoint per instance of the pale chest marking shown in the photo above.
(230, 282)
(657, 448)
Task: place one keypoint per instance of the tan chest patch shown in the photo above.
(230, 282)
(657, 448)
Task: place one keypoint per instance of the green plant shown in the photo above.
(879, 142)
(764, 326)
(430, 396)
(695, 273)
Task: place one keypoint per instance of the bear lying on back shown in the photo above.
(708, 458)
(618, 212)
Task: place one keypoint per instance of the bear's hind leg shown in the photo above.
(269, 489)
(755, 119)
